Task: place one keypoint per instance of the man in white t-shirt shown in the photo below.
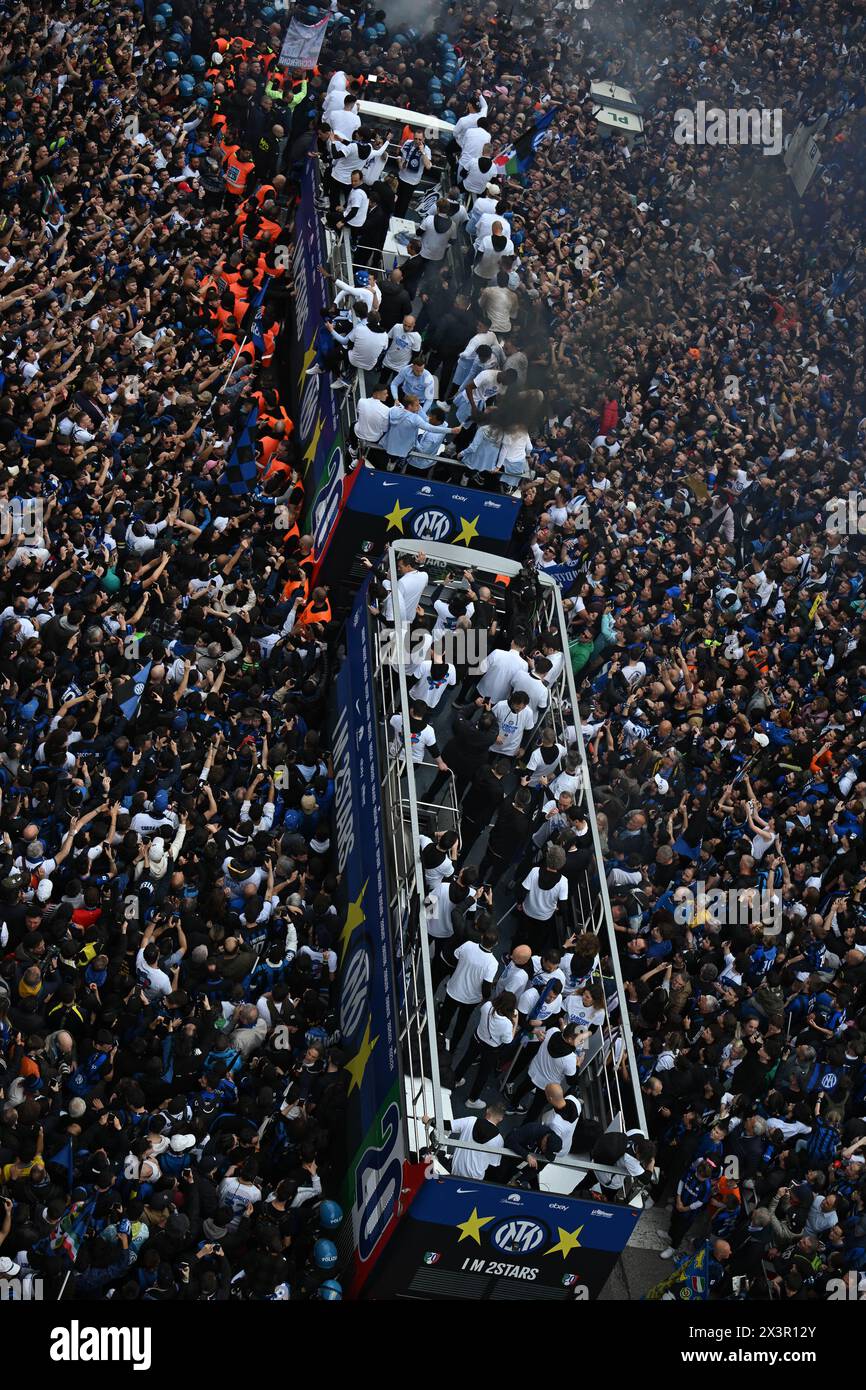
(483, 1132)
(470, 984)
(554, 1063)
(344, 121)
(515, 718)
(411, 583)
(500, 669)
(403, 343)
(154, 981)
(545, 890)
(371, 421)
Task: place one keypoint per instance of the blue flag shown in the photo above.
(130, 691)
(241, 471)
(256, 337)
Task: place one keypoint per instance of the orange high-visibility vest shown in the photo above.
(291, 587)
(269, 338)
(236, 175)
(267, 448)
(312, 614)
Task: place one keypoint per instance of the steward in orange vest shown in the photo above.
(318, 610)
(237, 170)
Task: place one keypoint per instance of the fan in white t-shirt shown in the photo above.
(500, 669)
(514, 717)
(546, 888)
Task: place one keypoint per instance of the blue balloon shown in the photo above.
(330, 1215)
(325, 1254)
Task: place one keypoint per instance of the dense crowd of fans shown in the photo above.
(694, 327)
(659, 347)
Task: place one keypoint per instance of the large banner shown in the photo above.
(472, 1240)
(303, 44)
(367, 1007)
(317, 414)
(381, 507)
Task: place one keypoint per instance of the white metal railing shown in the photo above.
(590, 903)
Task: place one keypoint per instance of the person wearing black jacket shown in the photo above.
(448, 338)
(484, 797)
(466, 751)
(509, 832)
(373, 236)
(396, 300)
(533, 1141)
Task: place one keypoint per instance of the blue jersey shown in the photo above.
(694, 1191)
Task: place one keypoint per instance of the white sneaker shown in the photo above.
(457, 1084)
(667, 1254)
(475, 1104)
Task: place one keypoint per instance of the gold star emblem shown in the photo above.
(470, 1229)
(358, 1064)
(395, 517)
(568, 1241)
(355, 915)
(468, 531)
(309, 359)
(313, 445)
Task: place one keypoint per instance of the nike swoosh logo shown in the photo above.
(390, 484)
(466, 1189)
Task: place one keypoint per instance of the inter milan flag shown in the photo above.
(517, 157)
(256, 337)
(241, 469)
(130, 690)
